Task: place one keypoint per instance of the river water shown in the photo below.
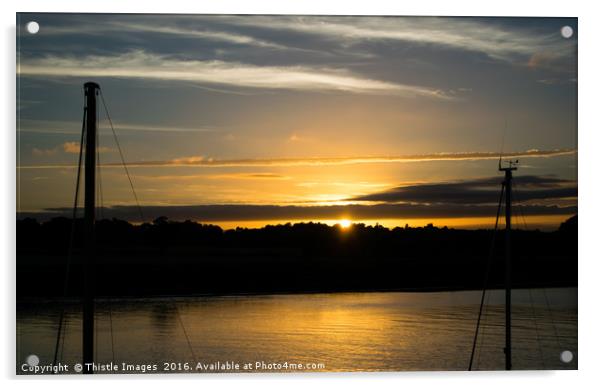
(366, 331)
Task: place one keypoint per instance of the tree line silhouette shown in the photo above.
(184, 258)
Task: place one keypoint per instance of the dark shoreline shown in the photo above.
(186, 258)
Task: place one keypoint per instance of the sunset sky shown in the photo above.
(248, 120)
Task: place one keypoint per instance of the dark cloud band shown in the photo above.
(478, 191)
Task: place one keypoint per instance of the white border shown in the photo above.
(589, 186)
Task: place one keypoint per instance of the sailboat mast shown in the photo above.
(508, 350)
(508, 188)
(91, 91)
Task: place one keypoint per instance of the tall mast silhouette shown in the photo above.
(508, 188)
(91, 91)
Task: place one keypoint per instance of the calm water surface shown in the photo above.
(385, 331)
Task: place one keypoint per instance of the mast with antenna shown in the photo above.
(91, 91)
(508, 188)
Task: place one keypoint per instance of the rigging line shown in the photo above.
(63, 340)
(71, 240)
(121, 155)
(97, 205)
(98, 211)
(549, 309)
(486, 315)
(543, 288)
(111, 330)
(95, 337)
(487, 269)
(101, 212)
(100, 194)
(533, 315)
(543, 364)
(99, 170)
(520, 208)
(185, 333)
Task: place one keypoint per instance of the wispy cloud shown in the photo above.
(44, 151)
(69, 147)
(555, 81)
(202, 161)
(164, 25)
(74, 127)
(197, 177)
(471, 34)
(140, 64)
(500, 41)
(223, 36)
(72, 147)
(155, 128)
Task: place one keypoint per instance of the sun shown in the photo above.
(345, 224)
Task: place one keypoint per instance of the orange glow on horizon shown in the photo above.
(345, 224)
(544, 222)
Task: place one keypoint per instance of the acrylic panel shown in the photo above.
(295, 193)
